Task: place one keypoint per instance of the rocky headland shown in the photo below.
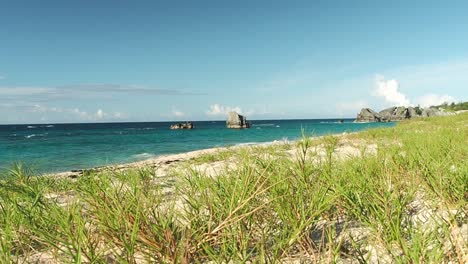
(399, 113)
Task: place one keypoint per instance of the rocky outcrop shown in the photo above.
(398, 113)
(393, 114)
(413, 112)
(427, 112)
(368, 115)
(187, 125)
(236, 121)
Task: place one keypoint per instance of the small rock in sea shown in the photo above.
(187, 125)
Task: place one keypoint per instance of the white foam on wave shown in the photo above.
(36, 135)
(143, 155)
(144, 128)
(31, 126)
(247, 144)
(49, 126)
(283, 140)
(331, 122)
(262, 125)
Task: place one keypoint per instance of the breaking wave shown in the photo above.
(35, 135)
(143, 156)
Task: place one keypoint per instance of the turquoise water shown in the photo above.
(62, 147)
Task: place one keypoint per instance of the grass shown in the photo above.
(298, 201)
(454, 106)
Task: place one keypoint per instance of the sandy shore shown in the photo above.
(158, 161)
(166, 160)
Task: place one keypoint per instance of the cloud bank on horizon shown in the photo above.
(390, 92)
(75, 113)
(33, 104)
(221, 110)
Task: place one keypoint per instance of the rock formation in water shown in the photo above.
(236, 121)
(368, 115)
(398, 113)
(187, 125)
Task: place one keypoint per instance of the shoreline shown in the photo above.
(272, 181)
(167, 159)
(178, 157)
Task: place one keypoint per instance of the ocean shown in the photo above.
(48, 148)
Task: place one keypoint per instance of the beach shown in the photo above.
(346, 148)
(52, 148)
(322, 197)
(289, 132)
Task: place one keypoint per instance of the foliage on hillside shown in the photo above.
(454, 106)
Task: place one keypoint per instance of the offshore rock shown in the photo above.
(236, 121)
(187, 125)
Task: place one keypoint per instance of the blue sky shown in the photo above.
(109, 61)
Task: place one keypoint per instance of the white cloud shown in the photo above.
(46, 94)
(76, 113)
(20, 91)
(221, 110)
(100, 114)
(389, 90)
(434, 99)
(177, 113)
(119, 115)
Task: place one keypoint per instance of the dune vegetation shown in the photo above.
(389, 195)
(461, 106)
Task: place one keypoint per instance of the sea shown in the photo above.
(50, 148)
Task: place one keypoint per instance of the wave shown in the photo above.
(49, 126)
(284, 140)
(144, 128)
(263, 125)
(35, 135)
(143, 156)
(247, 144)
(331, 122)
(31, 126)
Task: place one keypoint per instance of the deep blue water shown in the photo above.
(62, 147)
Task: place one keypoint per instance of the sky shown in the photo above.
(118, 61)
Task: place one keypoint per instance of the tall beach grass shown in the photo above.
(402, 197)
